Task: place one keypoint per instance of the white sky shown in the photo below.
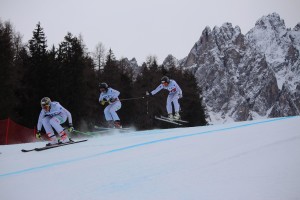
(139, 28)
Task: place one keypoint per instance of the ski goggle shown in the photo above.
(44, 106)
(164, 83)
(102, 89)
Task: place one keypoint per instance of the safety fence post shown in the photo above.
(7, 129)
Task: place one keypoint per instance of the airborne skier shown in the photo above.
(174, 95)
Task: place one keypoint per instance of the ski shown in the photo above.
(168, 120)
(53, 146)
(99, 128)
(177, 120)
(91, 133)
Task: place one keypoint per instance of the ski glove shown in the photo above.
(102, 102)
(38, 135)
(148, 93)
(179, 95)
(112, 100)
(71, 128)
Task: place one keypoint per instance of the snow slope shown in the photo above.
(253, 160)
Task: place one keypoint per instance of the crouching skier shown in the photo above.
(111, 96)
(52, 116)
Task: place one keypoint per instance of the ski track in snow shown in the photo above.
(253, 160)
(146, 143)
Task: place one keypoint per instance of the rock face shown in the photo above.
(245, 77)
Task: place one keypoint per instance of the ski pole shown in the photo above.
(127, 99)
(134, 98)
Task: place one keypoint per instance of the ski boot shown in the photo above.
(53, 139)
(117, 124)
(177, 116)
(64, 137)
(170, 116)
(110, 124)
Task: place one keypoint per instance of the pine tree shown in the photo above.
(6, 69)
(77, 81)
(35, 77)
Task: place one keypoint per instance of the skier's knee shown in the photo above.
(54, 121)
(45, 121)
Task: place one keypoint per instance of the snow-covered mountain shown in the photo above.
(250, 76)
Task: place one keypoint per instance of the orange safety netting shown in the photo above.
(13, 133)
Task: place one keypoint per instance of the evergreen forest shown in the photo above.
(70, 75)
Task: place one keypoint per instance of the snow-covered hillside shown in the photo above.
(254, 160)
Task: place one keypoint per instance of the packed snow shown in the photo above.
(253, 160)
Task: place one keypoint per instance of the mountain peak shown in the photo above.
(241, 76)
(170, 61)
(272, 21)
(297, 27)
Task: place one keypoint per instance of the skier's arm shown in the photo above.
(69, 116)
(159, 88)
(179, 91)
(115, 93)
(102, 101)
(39, 124)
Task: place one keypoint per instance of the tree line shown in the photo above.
(70, 75)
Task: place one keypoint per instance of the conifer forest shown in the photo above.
(69, 74)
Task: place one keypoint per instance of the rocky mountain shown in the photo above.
(245, 77)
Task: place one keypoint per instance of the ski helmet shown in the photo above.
(45, 101)
(165, 79)
(103, 86)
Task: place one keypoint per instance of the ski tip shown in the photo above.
(24, 150)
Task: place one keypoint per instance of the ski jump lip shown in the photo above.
(33, 169)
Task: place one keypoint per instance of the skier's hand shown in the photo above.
(102, 102)
(179, 95)
(112, 100)
(38, 135)
(148, 94)
(71, 128)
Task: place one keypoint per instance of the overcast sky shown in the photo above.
(139, 28)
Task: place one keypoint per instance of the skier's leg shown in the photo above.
(169, 106)
(176, 104)
(107, 113)
(176, 107)
(55, 123)
(108, 117)
(115, 107)
(49, 130)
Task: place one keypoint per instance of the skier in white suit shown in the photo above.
(52, 116)
(110, 96)
(174, 95)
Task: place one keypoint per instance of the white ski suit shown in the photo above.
(174, 95)
(53, 118)
(110, 110)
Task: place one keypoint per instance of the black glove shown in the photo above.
(71, 128)
(112, 100)
(38, 135)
